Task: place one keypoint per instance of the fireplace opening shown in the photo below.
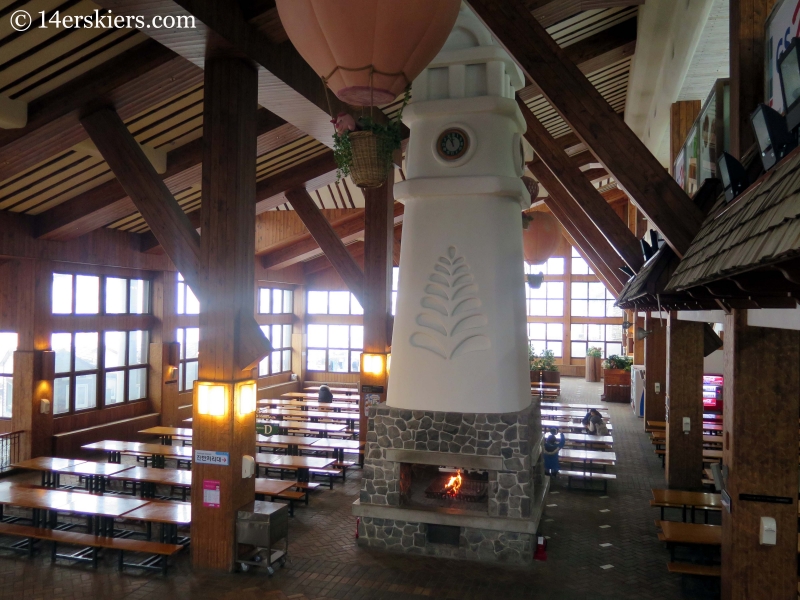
(429, 486)
(444, 534)
(458, 487)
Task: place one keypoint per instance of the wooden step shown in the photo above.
(693, 569)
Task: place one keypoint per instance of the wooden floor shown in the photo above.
(326, 563)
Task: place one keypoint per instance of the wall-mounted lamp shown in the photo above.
(772, 134)
(373, 364)
(47, 371)
(212, 398)
(244, 395)
(388, 364)
(734, 177)
(789, 73)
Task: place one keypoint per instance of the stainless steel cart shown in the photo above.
(262, 525)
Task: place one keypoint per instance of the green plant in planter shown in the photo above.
(546, 361)
(594, 352)
(389, 138)
(618, 362)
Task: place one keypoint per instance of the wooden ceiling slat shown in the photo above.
(90, 170)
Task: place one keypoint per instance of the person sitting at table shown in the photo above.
(599, 425)
(551, 449)
(587, 420)
(325, 394)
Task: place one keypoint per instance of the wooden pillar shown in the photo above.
(638, 345)
(164, 351)
(762, 400)
(655, 370)
(747, 20)
(377, 294)
(684, 393)
(227, 249)
(681, 119)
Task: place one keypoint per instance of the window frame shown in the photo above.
(183, 361)
(350, 350)
(101, 298)
(8, 376)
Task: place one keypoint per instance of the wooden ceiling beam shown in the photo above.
(586, 235)
(269, 191)
(597, 52)
(132, 82)
(108, 202)
(321, 263)
(585, 196)
(550, 12)
(581, 106)
(330, 243)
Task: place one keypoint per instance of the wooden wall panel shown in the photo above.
(279, 228)
(682, 116)
(655, 367)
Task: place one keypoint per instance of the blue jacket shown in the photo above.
(551, 454)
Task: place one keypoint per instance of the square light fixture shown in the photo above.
(244, 395)
(734, 177)
(212, 398)
(789, 73)
(373, 364)
(774, 139)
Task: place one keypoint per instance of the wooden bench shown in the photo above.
(693, 569)
(604, 478)
(329, 473)
(95, 542)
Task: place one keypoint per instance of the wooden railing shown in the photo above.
(10, 444)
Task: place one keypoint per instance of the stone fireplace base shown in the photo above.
(507, 446)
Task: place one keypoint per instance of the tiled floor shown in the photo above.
(599, 548)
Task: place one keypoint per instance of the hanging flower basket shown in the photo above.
(369, 167)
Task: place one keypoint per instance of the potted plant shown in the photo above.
(363, 149)
(545, 371)
(617, 379)
(593, 360)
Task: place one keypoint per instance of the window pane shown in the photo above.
(316, 360)
(287, 360)
(395, 276)
(116, 296)
(276, 361)
(87, 295)
(62, 346)
(115, 387)
(555, 331)
(579, 266)
(355, 361)
(317, 303)
(8, 344)
(611, 310)
(597, 333)
(192, 304)
(192, 343)
(577, 332)
(339, 303)
(181, 300)
(394, 303)
(179, 339)
(338, 361)
(191, 374)
(580, 290)
(338, 336)
(540, 292)
(540, 268)
(61, 395)
(277, 337)
(597, 308)
(140, 296)
(6, 396)
(556, 347)
(537, 308)
(288, 304)
(263, 367)
(355, 306)
(137, 384)
(115, 354)
(555, 289)
(264, 295)
(85, 391)
(181, 387)
(614, 333)
(555, 308)
(597, 290)
(357, 336)
(537, 346)
(138, 347)
(580, 308)
(62, 294)
(613, 349)
(555, 266)
(85, 352)
(318, 337)
(287, 336)
(578, 350)
(537, 331)
(277, 301)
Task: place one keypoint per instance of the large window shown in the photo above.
(553, 266)
(592, 299)
(579, 265)
(187, 303)
(189, 339)
(92, 295)
(274, 301)
(85, 360)
(8, 344)
(586, 335)
(333, 303)
(546, 335)
(547, 300)
(280, 361)
(335, 348)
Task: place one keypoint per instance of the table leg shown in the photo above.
(302, 475)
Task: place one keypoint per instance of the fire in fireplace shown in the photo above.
(458, 488)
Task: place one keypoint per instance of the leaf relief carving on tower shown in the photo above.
(452, 321)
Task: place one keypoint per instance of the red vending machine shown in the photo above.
(712, 393)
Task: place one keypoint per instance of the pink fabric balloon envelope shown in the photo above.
(541, 238)
(368, 51)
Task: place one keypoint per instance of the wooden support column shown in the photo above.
(638, 345)
(377, 295)
(227, 249)
(762, 401)
(684, 460)
(747, 20)
(655, 369)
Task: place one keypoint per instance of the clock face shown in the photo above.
(453, 144)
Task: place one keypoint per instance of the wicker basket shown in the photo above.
(368, 170)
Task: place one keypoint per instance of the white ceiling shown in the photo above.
(711, 59)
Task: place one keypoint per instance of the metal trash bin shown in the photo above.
(262, 525)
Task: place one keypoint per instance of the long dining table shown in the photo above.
(155, 452)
